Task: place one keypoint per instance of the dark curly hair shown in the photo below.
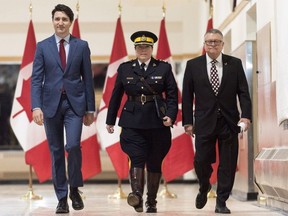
(63, 8)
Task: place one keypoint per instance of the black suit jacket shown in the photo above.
(197, 89)
(160, 77)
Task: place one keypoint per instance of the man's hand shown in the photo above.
(88, 119)
(110, 128)
(189, 130)
(37, 116)
(246, 122)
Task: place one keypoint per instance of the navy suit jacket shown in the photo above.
(49, 79)
(197, 88)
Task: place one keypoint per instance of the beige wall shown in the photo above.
(185, 23)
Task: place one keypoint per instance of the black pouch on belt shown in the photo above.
(161, 107)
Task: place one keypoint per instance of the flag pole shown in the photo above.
(211, 8)
(119, 194)
(165, 193)
(30, 194)
(77, 8)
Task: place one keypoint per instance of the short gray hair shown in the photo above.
(214, 31)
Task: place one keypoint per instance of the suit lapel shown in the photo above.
(72, 50)
(54, 50)
(204, 69)
(224, 72)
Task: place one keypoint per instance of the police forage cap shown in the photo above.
(144, 37)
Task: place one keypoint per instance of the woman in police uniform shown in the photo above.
(145, 136)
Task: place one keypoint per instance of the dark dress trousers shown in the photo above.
(143, 133)
(216, 118)
(48, 84)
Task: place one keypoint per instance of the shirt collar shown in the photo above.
(146, 63)
(67, 38)
(208, 59)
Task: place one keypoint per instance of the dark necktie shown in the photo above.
(214, 78)
(62, 54)
(143, 68)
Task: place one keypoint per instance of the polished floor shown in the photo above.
(103, 200)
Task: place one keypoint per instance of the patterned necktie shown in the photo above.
(62, 54)
(214, 78)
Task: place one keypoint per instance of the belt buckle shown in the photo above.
(143, 99)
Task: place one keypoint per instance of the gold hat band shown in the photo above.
(143, 39)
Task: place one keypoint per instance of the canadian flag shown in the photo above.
(91, 164)
(179, 159)
(31, 137)
(110, 142)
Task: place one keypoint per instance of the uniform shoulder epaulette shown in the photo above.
(160, 60)
(127, 62)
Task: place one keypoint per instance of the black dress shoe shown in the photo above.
(77, 202)
(62, 206)
(201, 198)
(151, 206)
(222, 210)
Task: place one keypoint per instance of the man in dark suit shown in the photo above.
(62, 95)
(214, 81)
(145, 135)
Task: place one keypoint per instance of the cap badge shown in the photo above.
(143, 38)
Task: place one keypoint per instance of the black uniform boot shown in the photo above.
(137, 185)
(153, 181)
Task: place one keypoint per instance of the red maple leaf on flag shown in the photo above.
(31, 137)
(25, 99)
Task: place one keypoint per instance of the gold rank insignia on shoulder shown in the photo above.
(156, 77)
(129, 78)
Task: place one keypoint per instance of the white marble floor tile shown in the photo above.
(97, 202)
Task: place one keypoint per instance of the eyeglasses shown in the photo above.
(213, 42)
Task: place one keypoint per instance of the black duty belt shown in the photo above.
(143, 98)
